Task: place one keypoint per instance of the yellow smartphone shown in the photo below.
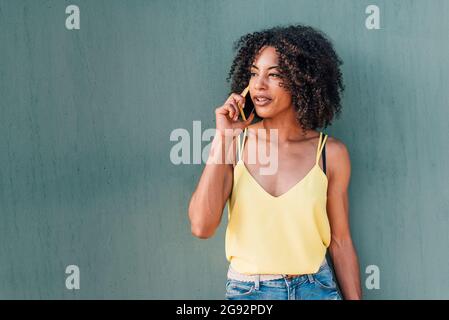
(244, 93)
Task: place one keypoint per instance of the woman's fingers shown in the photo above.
(231, 110)
(225, 109)
(236, 100)
(227, 116)
(236, 111)
(240, 100)
(245, 123)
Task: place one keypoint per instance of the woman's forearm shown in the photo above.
(208, 200)
(346, 267)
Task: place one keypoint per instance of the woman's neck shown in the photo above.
(288, 128)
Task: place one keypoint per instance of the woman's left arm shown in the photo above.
(341, 248)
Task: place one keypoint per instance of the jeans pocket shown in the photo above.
(325, 279)
(238, 288)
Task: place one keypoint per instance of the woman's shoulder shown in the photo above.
(337, 156)
(336, 146)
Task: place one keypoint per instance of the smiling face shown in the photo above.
(269, 98)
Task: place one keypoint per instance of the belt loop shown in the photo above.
(256, 282)
(310, 277)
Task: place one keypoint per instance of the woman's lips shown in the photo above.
(261, 101)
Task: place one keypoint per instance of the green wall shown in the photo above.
(86, 117)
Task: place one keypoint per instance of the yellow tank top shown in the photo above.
(287, 234)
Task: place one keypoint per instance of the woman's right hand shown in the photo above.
(226, 116)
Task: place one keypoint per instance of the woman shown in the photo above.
(282, 224)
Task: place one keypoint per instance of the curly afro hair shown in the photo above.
(309, 67)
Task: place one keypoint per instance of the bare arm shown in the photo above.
(215, 184)
(342, 251)
(214, 187)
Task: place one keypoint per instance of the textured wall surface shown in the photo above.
(86, 117)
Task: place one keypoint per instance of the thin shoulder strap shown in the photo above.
(240, 149)
(324, 159)
(320, 147)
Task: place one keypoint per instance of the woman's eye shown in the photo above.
(271, 74)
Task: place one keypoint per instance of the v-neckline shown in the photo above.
(297, 184)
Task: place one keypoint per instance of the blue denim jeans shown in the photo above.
(317, 286)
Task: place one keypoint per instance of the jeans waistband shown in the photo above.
(235, 275)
